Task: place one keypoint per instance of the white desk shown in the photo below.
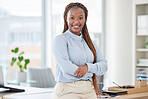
(31, 96)
(49, 95)
(41, 93)
(29, 91)
(27, 83)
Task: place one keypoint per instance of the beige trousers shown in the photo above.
(74, 90)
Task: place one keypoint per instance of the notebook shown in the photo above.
(11, 89)
(115, 93)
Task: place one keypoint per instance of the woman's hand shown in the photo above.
(81, 71)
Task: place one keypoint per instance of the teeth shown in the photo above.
(76, 26)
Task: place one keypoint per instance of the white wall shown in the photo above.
(118, 28)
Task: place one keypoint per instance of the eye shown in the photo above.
(72, 18)
(80, 18)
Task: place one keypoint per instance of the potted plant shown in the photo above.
(22, 64)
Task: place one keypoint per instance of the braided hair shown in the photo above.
(85, 35)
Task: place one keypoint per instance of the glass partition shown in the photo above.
(20, 26)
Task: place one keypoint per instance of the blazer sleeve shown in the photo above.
(100, 67)
(60, 46)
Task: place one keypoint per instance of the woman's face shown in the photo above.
(75, 20)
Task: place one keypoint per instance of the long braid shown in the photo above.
(85, 36)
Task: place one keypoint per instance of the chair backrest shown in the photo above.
(100, 82)
(43, 76)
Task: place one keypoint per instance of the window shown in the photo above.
(20, 23)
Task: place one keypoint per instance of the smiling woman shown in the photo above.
(95, 24)
(78, 58)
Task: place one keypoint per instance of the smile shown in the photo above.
(76, 27)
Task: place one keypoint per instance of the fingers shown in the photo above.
(77, 71)
(81, 71)
(80, 74)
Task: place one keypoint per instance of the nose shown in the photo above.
(76, 21)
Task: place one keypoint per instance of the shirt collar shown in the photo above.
(74, 36)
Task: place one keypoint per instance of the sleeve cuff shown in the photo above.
(91, 67)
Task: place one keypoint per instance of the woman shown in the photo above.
(78, 59)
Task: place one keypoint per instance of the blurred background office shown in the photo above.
(31, 25)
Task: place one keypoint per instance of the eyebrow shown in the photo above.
(73, 15)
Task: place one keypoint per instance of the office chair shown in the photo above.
(100, 83)
(43, 76)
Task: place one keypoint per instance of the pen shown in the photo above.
(117, 85)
